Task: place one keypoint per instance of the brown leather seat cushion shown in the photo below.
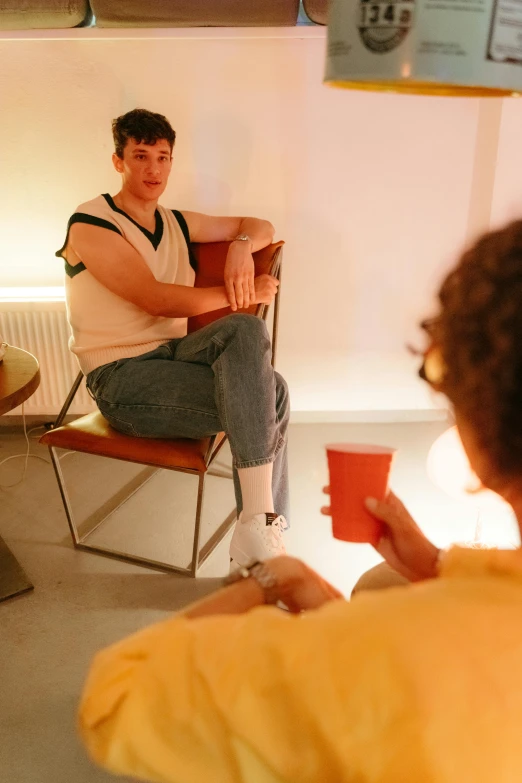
(195, 13)
(317, 10)
(40, 14)
(94, 435)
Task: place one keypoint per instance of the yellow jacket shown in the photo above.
(421, 684)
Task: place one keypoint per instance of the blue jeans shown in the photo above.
(216, 379)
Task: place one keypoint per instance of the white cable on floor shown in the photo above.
(43, 427)
(26, 455)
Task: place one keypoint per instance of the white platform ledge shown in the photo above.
(368, 417)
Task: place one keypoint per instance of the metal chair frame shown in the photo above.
(199, 555)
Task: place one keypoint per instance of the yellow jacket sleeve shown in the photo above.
(416, 684)
(264, 696)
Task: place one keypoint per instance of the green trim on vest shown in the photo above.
(91, 220)
(185, 230)
(154, 238)
(72, 271)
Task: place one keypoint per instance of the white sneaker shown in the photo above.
(258, 538)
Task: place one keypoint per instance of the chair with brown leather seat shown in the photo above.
(92, 434)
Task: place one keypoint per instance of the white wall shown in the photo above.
(507, 194)
(372, 193)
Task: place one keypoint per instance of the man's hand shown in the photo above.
(265, 289)
(301, 588)
(403, 544)
(239, 275)
(298, 587)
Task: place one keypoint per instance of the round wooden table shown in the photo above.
(19, 378)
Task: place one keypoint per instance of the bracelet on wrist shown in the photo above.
(244, 238)
(263, 575)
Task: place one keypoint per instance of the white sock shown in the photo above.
(256, 490)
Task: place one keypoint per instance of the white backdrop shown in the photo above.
(372, 193)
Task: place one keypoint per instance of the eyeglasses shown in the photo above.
(433, 368)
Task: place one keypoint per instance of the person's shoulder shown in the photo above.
(175, 217)
(96, 206)
(415, 617)
(168, 212)
(99, 212)
(96, 212)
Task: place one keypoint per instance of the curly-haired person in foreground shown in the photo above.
(418, 684)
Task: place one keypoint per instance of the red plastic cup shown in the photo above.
(357, 471)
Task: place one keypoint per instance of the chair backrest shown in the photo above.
(211, 258)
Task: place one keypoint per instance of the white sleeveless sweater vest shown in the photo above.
(104, 326)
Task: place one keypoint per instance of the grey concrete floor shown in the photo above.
(82, 602)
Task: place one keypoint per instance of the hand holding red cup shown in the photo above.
(357, 471)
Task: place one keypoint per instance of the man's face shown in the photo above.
(145, 168)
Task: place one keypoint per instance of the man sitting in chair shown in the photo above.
(130, 289)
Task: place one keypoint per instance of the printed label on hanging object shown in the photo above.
(505, 44)
(383, 25)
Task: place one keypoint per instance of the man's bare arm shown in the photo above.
(239, 267)
(207, 228)
(121, 269)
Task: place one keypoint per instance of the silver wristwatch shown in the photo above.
(260, 571)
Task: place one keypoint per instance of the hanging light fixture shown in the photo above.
(426, 47)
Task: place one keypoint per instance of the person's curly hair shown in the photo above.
(479, 333)
(145, 127)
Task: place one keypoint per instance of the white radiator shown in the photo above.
(42, 329)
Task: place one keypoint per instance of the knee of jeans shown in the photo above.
(249, 324)
(282, 396)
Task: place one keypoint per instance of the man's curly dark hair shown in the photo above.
(479, 333)
(145, 127)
